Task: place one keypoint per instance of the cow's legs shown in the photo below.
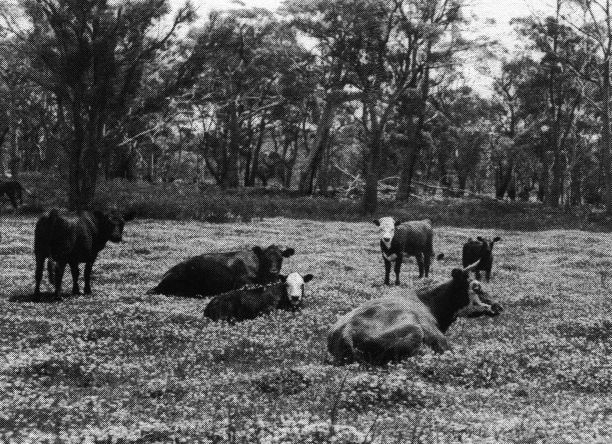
(427, 263)
(398, 267)
(419, 261)
(435, 339)
(74, 269)
(59, 275)
(387, 271)
(40, 264)
(87, 277)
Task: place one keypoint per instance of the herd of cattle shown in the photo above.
(248, 283)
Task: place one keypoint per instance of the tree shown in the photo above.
(91, 54)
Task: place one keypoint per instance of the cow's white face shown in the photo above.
(386, 226)
(295, 287)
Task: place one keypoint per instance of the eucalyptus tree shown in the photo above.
(92, 55)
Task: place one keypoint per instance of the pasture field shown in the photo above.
(122, 367)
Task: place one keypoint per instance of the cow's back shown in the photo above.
(379, 327)
(65, 238)
(243, 262)
(415, 237)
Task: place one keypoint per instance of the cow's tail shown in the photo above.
(51, 271)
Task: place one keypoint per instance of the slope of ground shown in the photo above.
(119, 366)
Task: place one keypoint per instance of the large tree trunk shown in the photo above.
(316, 151)
(370, 196)
(233, 165)
(605, 138)
(503, 177)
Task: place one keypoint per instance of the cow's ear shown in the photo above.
(480, 238)
(376, 222)
(282, 278)
(257, 250)
(398, 222)
(497, 239)
(288, 252)
(470, 239)
(457, 273)
(308, 277)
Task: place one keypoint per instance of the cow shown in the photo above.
(14, 191)
(72, 240)
(215, 273)
(250, 302)
(480, 249)
(399, 239)
(394, 327)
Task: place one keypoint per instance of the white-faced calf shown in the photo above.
(480, 250)
(399, 239)
(251, 302)
(394, 327)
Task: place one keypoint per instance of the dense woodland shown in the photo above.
(315, 95)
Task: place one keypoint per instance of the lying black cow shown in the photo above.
(14, 191)
(73, 240)
(409, 239)
(394, 327)
(249, 303)
(215, 273)
(481, 250)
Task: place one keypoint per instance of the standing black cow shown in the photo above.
(73, 240)
(14, 191)
(480, 249)
(214, 273)
(409, 239)
(249, 303)
(396, 326)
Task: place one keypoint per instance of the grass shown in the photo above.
(122, 367)
(187, 201)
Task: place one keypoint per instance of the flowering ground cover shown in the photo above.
(122, 367)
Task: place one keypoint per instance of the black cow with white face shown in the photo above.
(248, 303)
(215, 273)
(480, 250)
(73, 240)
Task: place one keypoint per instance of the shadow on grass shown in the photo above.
(45, 297)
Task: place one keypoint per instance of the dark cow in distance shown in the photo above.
(394, 327)
(481, 250)
(251, 302)
(399, 239)
(72, 240)
(14, 191)
(215, 273)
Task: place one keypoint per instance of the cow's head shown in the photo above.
(487, 244)
(111, 224)
(475, 302)
(386, 227)
(271, 260)
(294, 284)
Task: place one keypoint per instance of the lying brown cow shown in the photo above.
(394, 327)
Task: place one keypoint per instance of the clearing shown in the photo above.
(119, 366)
